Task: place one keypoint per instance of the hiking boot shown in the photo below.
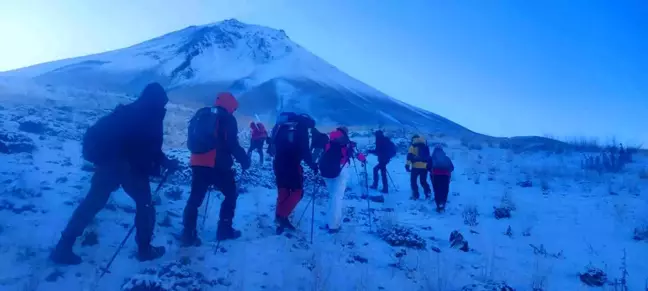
(384, 191)
(149, 253)
(226, 232)
(414, 197)
(63, 254)
(190, 239)
(285, 223)
(330, 230)
(374, 186)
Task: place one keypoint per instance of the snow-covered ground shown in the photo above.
(563, 219)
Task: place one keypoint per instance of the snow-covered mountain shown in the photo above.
(268, 72)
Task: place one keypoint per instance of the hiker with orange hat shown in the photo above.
(213, 140)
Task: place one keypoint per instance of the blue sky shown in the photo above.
(565, 68)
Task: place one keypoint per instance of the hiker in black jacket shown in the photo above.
(126, 148)
(385, 150)
(214, 167)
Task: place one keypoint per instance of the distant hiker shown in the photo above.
(258, 138)
(333, 167)
(418, 156)
(213, 140)
(441, 168)
(318, 142)
(126, 149)
(291, 148)
(385, 150)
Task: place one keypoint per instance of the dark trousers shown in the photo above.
(107, 179)
(256, 145)
(419, 174)
(441, 185)
(382, 167)
(202, 179)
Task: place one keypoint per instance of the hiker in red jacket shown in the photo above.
(213, 167)
(441, 168)
(258, 138)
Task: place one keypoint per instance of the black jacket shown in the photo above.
(228, 145)
(382, 148)
(140, 126)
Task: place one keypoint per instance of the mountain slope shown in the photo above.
(267, 70)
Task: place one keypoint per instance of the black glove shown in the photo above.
(407, 168)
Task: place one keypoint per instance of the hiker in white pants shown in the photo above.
(334, 168)
(336, 188)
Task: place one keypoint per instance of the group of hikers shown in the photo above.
(125, 147)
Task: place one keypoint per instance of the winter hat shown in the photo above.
(227, 101)
(344, 129)
(153, 95)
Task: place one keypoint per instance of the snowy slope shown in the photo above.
(566, 221)
(257, 63)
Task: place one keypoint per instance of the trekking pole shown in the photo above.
(368, 200)
(206, 209)
(391, 180)
(312, 218)
(106, 269)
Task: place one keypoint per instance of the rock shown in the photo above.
(15, 143)
(360, 259)
(54, 276)
(525, 184)
(32, 125)
(488, 286)
(501, 212)
(175, 194)
(399, 236)
(593, 277)
(172, 276)
(458, 241)
(641, 233)
(438, 250)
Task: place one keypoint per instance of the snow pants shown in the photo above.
(290, 186)
(416, 175)
(256, 145)
(202, 179)
(336, 188)
(382, 168)
(107, 179)
(441, 185)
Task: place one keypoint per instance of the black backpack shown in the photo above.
(423, 152)
(103, 140)
(392, 150)
(285, 138)
(202, 137)
(329, 163)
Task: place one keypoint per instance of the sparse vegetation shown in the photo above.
(470, 215)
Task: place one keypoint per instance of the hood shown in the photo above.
(153, 96)
(438, 151)
(227, 101)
